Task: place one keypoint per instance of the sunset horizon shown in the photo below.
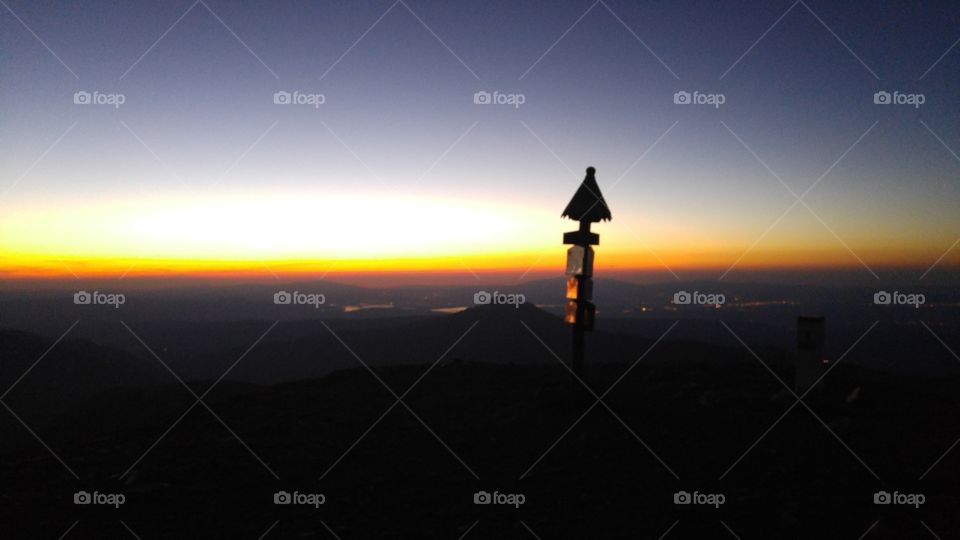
(513, 269)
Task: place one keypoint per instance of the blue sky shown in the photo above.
(598, 82)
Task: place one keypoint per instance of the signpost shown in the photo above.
(587, 206)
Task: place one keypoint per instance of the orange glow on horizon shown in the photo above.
(294, 234)
(550, 260)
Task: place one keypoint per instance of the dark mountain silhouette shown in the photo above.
(697, 415)
(198, 325)
(311, 348)
(50, 381)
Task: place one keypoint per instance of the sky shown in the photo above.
(189, 165)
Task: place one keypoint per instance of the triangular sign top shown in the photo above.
(587, 203)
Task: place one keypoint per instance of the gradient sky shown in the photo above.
(400, 170)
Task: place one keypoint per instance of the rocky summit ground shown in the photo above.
(410, 469)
